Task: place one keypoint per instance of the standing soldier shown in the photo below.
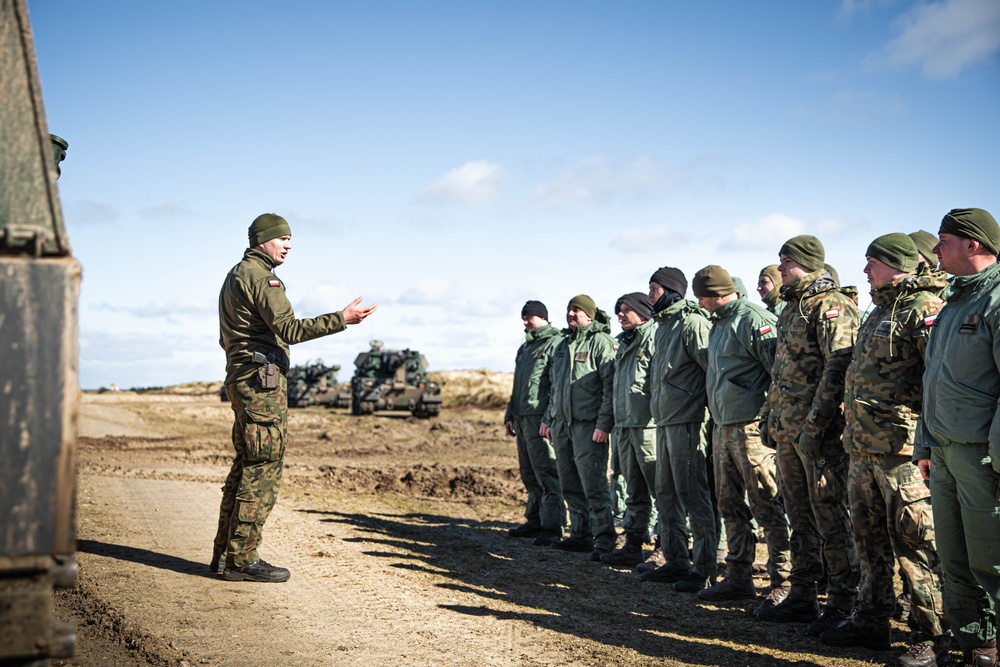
(925, 242)
(634, 435)
(257, 325)
(769, 289)
(578, 421)
(545, 513)
(680, 411)
(816, 333)
(740, 354)
(958, 437)
(890, 501)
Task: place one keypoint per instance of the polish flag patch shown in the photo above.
(830, 314)
(930, 320)
(274, 283)
(764, 330)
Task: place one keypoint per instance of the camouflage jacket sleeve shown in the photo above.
(835, 325)
(605, 360)
(277, 313)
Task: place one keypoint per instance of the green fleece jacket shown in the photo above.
(582, 375)
(631, 381)
(677, 372)
(962, 375)
(532, 384)
(255, 316)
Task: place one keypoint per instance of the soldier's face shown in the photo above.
(710, 303)
(953, 253)
(764, 286)
(879, 273)
(628, 318)
(577, 318)
(656, 290)
(532, 322)
(790, 270)
(277, 248)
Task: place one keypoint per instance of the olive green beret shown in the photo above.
(266, 227)
(896, 250)
(975, 224)
(584, 303)
(712, 281)
(925, 242)
(806, 250)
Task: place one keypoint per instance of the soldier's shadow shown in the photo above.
(144, 557)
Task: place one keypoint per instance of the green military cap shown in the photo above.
(584, 303)
(771, 272)
(712, 281)
(896, 250)
(833, 273)
(975, 224)
(806, 250)
(266, 227)
(925, 242)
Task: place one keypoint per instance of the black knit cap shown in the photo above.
(670, 278)
(975, 224)
(806, 250)
(535, 308)
(895, 250)
(637, 301)
(712, 281)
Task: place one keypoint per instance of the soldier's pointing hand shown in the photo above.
(353, 314)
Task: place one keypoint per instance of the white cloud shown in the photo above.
(476, 182)
(648, 239)
(84, 211)
(767, 233)
(169, 209)
(945, 37)
(323, 298)
(600, 181)
(428, 291)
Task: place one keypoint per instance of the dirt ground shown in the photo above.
(395, 532)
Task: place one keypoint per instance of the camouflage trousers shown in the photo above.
(637, 455)
(583, 474)
(744, 467)
(891, 513)
(967, 522)
(251, 488)
(536, 460)
(682, 491)
(815, 495)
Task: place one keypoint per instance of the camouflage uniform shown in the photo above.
(959, 431)
(816, 334)
(535, 455)
(679, 408)
(255, 316)
(581, 373)
(890, 501)
(634, 435)
(740, 354)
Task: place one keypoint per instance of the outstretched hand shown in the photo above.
(353, 313)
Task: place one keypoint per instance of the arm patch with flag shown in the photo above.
(764, 330)
(274, 283)
(830, 314)
(930, 320)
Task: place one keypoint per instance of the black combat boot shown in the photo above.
(257, 571)
(630, 554)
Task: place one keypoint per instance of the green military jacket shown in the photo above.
(255, 316)
(677, 372)
(962, 378)
(740, 353)
(631, 380)
(883, 385)
(532, 384)
(582, 375)
(816, 335)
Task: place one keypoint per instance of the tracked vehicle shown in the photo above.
(392, 380)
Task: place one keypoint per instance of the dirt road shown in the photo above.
(395, 532)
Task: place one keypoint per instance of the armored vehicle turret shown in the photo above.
(312, 384)
(393, 380)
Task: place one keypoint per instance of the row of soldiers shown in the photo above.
(825, 429)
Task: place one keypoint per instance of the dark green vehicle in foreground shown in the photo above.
(392, 380)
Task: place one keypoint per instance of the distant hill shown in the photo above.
(479, 388)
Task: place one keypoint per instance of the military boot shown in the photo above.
(790, 610)
(630, 554)
(257, 571)
(653, 560)
(848, 634)
(927, 653)
(984, 656)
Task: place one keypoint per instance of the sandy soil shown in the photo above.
(395, 532)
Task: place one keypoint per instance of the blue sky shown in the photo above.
(450, 160)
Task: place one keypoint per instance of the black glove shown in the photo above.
(765, 435)
(810, 446)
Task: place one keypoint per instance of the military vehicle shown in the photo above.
(313, 384)
(392, 380)
(38, 363)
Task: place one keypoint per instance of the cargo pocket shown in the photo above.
(916, 523)
(265, 440)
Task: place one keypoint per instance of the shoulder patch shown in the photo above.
(274, 283)
(930, 320)
(830, 314)
(764, 330)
